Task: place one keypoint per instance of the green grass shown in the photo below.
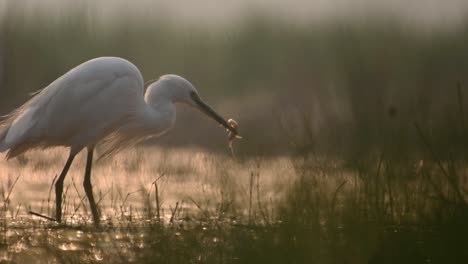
(354, 147)
(215, 210)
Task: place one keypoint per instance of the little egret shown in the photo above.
(101, 101)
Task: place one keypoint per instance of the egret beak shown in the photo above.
(211, 113)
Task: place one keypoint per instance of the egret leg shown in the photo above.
(89, 187)
(59, 188)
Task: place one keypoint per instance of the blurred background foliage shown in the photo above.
(343, 87)
(366, 99)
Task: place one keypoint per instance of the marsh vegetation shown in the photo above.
(354, 150)
(213, 209)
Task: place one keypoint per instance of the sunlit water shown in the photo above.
(214, 209)
(203, 187)
(124, 184)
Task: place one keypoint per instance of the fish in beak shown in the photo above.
(211, 113)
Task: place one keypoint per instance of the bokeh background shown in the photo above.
(340, 77)
(353, 113)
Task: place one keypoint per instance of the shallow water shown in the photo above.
(123, 184)
(224, 242)
(217, 210)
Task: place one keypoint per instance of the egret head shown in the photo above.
(182, 91)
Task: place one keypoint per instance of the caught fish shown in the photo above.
(232, 136)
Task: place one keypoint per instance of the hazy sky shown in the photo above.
(215, 12)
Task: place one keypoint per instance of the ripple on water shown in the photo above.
(97, 254)
(5, 257)
(20, 246)
(141, 245)
(70, 246)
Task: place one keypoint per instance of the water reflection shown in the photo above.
(48, 243)
(204, 240)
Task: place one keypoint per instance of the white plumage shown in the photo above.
(78, 109)
(101, 101)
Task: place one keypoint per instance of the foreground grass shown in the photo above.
(211, 209)
(185, 242)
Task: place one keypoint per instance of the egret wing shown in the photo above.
(77, 109)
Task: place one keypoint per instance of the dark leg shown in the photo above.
(59, 188)
(89, 188)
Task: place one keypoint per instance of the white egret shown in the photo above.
(101, 101)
